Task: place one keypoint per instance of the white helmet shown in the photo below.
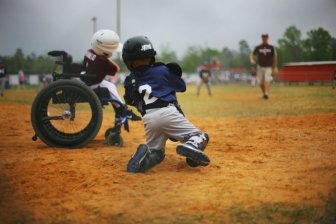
(105, 42)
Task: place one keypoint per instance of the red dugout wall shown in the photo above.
(308, 71)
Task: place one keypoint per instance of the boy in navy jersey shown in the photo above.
(151, 87)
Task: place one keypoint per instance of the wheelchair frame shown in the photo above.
(68, 114)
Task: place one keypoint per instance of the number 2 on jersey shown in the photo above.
(147, 97)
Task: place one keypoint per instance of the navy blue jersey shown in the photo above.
(149, 84)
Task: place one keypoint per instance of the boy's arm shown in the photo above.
(179, 82)
(251, 57)
(111, 67)
(114, 64)
(275, 64)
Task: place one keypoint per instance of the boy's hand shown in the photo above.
(275, 72)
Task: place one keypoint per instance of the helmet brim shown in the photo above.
(119, 48)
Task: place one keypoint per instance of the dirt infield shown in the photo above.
(280, 159)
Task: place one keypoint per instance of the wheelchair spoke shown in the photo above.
(44, 119)
(66, 114)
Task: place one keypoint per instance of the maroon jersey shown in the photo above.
(99, 65)
(265, 53)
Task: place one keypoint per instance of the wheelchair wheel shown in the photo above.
(66, 114)
(113, 130)
(114, 139)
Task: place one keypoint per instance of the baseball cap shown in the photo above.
(264, 35)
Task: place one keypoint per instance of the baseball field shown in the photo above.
(272, 161)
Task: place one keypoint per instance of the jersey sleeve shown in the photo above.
(111, 67)
(132, 95)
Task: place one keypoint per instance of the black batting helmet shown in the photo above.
(138, 47)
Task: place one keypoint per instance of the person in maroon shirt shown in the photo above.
(267, 58)
(98, 61)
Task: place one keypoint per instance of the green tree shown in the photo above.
(31, 64)
(209, 54)
(196, 55)
(17, 61)
(333, 49)
(319, 45)
(290, 46)
(166, 54)
(244, 50)
(191, 59)
(226, 58)
(42, 65)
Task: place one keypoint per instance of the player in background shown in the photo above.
(266, 59)
(22, 79)
(204, 73)
(98, 61)
(151, 87)
(3, 73)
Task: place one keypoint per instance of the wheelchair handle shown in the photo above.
(57, 53)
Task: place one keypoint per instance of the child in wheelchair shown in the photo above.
(98, 61)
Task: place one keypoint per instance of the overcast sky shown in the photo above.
(42, 25)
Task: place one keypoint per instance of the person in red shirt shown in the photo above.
(98, 61)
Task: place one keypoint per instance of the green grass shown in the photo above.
(234, 100)
(22, 96)
(244, 101)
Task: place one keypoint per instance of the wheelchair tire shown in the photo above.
(113, 130)
(115, 139)
(66, 114)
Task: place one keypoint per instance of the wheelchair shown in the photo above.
(68, 114)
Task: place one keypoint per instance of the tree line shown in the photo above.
(319, 45)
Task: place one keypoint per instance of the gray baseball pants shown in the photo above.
(166, 122)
